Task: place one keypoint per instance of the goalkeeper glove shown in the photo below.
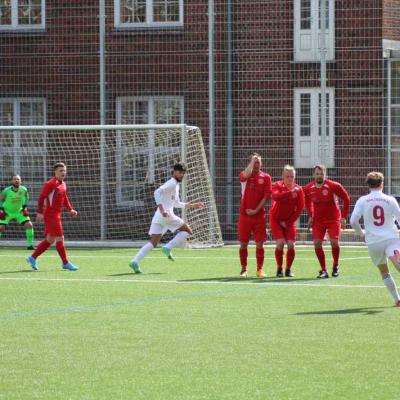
(25, 211)
(3, 215)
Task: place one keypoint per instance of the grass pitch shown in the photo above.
(191, 329)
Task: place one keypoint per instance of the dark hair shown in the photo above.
(179, 167)
(374, 179)
(58, 165)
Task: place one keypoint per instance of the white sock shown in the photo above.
(391, 286)
(178, 240)
(143, 251)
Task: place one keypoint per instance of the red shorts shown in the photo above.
(248, 225)
(53, 226)
(319, 229)
(279, 232)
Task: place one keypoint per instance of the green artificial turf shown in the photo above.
(192, 329)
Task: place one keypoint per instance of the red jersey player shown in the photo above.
(256, 191)
(324, 214)
(52, 199)
(287, 205)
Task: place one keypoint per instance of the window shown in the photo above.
(138, 154)
(148, 13)
(23, 152)
(307, 25)
(307, 126)
(22, 14)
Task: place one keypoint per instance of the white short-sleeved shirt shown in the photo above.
(379, 212)
(167, 195)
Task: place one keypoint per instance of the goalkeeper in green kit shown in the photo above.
(13, 206)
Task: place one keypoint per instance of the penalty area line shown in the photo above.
(198, 282)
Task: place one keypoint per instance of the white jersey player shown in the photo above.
(167, 198)
(379, 212)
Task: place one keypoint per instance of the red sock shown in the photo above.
(42, 247)
(243, 258)
(321, 257)
(61, 251)
(260, 258)
(335, 255)
(279, 258)
(289, 258)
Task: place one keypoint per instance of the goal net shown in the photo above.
(112, 172)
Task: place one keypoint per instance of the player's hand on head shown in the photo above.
(74, 213)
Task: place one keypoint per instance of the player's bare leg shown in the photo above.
(178, 241)
(280, 244)
(260, 259)
(319, 251)
(243, 253)
(335, 245)
(152, 244)
(290, 254)
(389, 282)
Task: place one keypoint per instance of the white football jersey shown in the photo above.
(379, 212)
(168, 195)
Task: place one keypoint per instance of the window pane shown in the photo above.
(133, 11)
(167, 111)
(305, 14)
(165, 10)
(326, 14)
(134, 170)
(305, 114)
(29, 12)
(327, 114)
(31, 113)
(395, 82)
(5, 12)
(135, 112)
(6, 114)
(32, 171)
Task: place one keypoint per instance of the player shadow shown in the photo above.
(248, 279)
(344, 311)
(17, 272)
(143, 274)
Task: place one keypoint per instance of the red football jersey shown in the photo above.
(254, 188)
(322, 202)
(53, 197)
(286, 204)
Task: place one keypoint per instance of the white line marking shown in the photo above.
(188, 282)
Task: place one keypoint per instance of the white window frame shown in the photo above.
(149, 23)
(15, 150)
(15, 26)
(306, 41)
(307, 152)
(145, 150)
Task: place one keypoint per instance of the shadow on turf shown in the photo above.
(17, 272)
(251, 279)
(366, 311)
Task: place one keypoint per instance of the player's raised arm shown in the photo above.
(255, 158)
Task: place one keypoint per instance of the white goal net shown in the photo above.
(112, 172)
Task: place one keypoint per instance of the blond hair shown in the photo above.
(374, 179)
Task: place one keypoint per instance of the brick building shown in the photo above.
(157, 71)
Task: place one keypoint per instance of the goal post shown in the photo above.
(112, 172)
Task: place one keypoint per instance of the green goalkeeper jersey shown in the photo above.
(13, 201)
